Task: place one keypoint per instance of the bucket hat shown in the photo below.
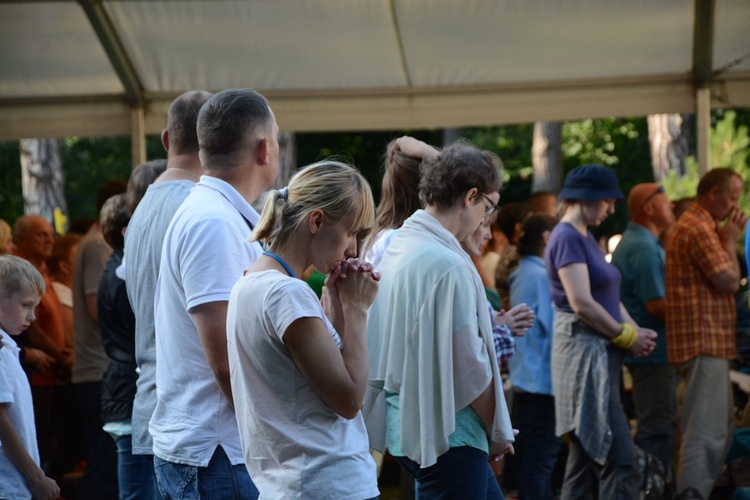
(591, 182)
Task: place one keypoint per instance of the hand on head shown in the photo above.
(415, 148)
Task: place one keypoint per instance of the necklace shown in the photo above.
(280, 261)
(187, 172)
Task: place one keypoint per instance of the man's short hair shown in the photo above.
(720, 176)
(227, 122)
(183, 119)
(15, 273)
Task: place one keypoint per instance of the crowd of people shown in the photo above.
(174, 349)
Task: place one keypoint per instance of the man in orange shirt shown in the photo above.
(702, 276)
(34, 240)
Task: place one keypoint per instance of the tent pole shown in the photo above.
(137, 137)
(703, 128)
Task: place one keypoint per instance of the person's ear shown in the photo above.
(648, 208)
(469, 197)
(165, 139)
(315, 221)
(263, 156)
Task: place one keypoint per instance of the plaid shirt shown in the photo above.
(505, 344)
(700, 319)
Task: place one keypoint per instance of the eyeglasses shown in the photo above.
(492, 208)
(659, 190)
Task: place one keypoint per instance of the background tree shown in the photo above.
(668, 135)
(43, 182)
(730, 147)
(619, 143)
(546, 157)
(287, 158)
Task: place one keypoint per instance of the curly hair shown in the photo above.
(457, 169)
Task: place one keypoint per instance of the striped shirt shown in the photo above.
(700, 319)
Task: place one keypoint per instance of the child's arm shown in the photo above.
(41, 486)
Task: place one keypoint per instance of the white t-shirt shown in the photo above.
(295, 446)
(379, 246)
(205, 251)
(15, 390)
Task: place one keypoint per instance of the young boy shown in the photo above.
(21, 288)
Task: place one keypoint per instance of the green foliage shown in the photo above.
(618, 143)
(11, 201)
(90, 162)
(87, 164)
(678, 187)
(730, 147)
(364, 149)
(512, 143)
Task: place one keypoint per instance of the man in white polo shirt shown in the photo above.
(197, 450)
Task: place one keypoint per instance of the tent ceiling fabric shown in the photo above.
(330, 65)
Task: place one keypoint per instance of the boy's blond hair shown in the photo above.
(15, 273)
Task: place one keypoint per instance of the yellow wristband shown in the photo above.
(627, 337)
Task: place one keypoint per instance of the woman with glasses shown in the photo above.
(592, 333)
(436, 399)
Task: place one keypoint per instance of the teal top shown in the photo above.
(469, 429)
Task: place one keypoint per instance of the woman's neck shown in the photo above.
(295, 251)
(574, 216)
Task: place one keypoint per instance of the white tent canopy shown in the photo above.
(111, 67)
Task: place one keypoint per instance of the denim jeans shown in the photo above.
(219, 480)
(135, 473)
(463, 472)
(536, 445)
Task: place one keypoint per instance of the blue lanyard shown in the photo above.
(280, 261)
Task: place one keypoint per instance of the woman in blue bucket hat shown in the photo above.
(592, 333)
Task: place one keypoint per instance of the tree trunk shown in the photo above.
(451, 135)
(668, 139)
(43, 181)
(287, 159)
(546, 157)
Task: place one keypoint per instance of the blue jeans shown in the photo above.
(463, 472)
(536, 445)
(220, 480)
(100, 477)
(135, 473)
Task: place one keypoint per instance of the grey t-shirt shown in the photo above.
(90, 360)
(143, 242)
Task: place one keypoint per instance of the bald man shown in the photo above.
(34, 240)
(640, 258)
